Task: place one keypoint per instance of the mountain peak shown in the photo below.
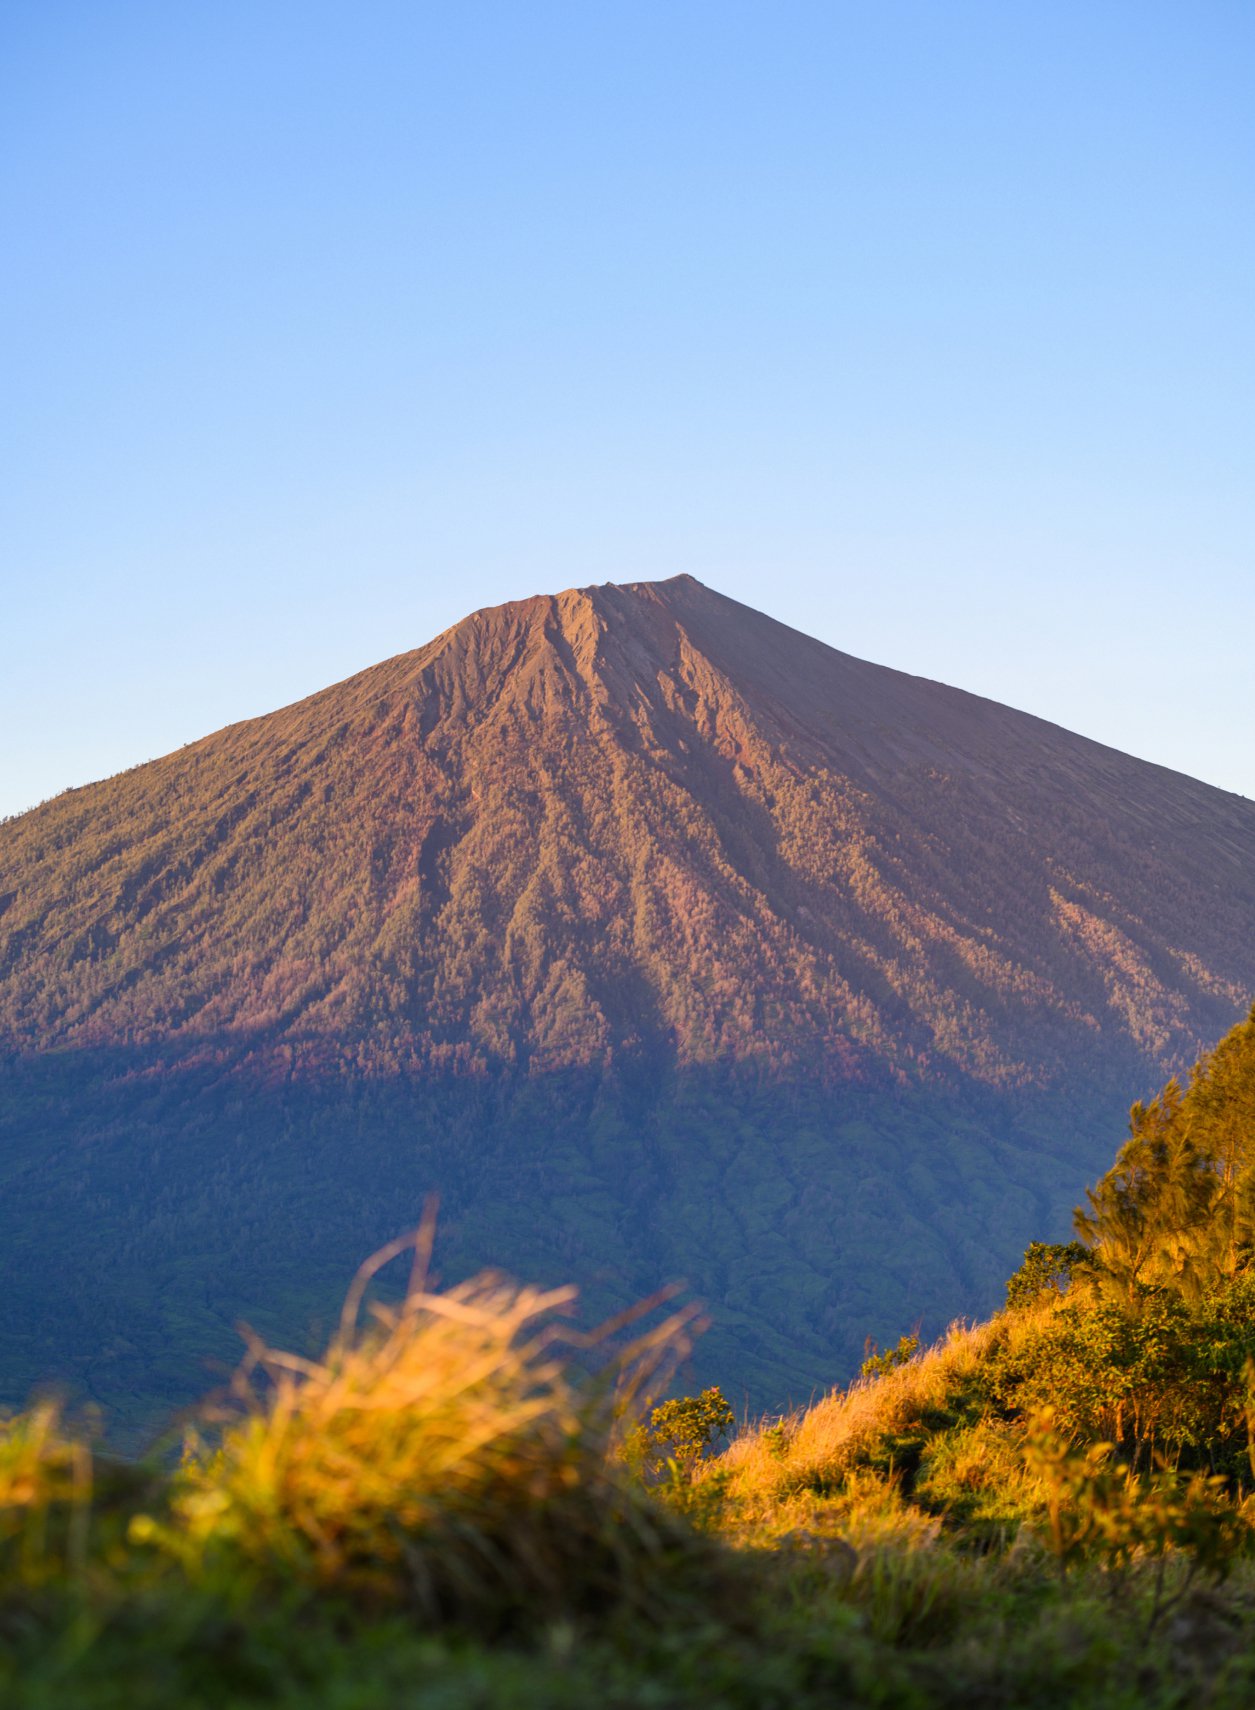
(647, 931)
(647, 788)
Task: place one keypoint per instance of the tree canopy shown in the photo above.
(1177, 1209)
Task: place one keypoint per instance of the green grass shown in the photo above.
(913, 1626)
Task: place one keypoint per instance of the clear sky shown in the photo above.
(926, 326)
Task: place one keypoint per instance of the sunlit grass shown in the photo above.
(449, 1489)
(441, 1453)
(816, 1449)
(45, 1494)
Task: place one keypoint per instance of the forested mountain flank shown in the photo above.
(631, 818)
(657, 937)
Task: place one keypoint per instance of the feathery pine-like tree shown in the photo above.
(1177, 1208)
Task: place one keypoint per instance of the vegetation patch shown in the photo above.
(465, 1502)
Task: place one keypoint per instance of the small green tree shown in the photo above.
(1048, 1266)
(1149, 1218)
(1177, 1209)
(876, 1364)
(680, 1432)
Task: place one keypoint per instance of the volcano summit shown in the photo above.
(657, 938)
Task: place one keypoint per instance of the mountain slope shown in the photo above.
(587, 878)
(579, 825)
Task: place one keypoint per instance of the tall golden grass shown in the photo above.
(821, 1485)
(45, 1493)
(773, 1468)
(818, 1448)
(442, 1452)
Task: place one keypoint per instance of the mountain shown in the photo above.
(658, 938)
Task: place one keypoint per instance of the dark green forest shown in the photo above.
(177, 1203)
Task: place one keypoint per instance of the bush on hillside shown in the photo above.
(1048, 1268)
(679, 1433)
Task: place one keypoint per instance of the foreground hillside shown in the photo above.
(464, 1503)
(657, 939)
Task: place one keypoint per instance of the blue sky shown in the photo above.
(926, 327)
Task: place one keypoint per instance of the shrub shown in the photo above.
(1048, 1268)
(879, 1365)
(680, 1432)
(1098, 1509)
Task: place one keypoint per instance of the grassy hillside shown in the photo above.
(464, 1501)
(438, 1513)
